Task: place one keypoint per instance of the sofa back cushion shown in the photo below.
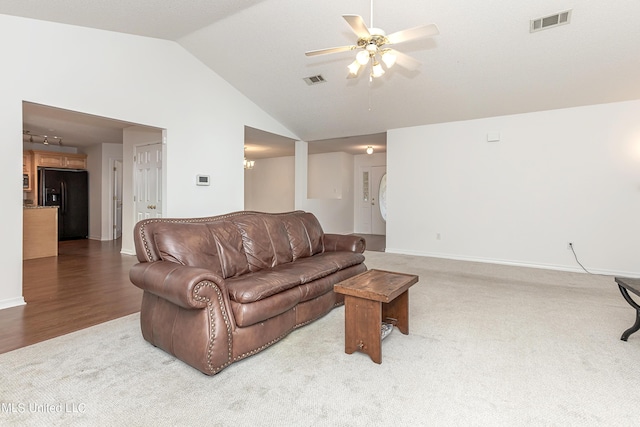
(230, 245)
(265, 241)
(216, 246)
(305, 234)
(187, 244)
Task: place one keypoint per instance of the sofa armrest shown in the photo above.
(179, 284)
(344, 242)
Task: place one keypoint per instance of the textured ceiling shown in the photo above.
(484, 63)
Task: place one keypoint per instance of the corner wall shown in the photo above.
(335, 215)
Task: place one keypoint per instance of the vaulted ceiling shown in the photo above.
(485, 61)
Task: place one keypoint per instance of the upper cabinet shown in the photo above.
(59, 160)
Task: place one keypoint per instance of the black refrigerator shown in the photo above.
(69, 190)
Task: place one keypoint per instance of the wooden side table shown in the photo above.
(370, 298)
(626, 284)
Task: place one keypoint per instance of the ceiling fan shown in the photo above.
(372, 43)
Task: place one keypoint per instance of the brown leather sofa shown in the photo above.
(219, 289)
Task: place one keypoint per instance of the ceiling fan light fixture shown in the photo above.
(371, 43)
(362, 57)
(389, 58)
(354, 67)
(377, 70)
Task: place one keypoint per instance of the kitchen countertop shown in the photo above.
(39, 207)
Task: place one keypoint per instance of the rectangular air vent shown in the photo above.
(554, 20)
(314, 80)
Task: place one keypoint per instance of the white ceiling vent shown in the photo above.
(314, 80)
(550, 21)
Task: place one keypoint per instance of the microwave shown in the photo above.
(25, 181)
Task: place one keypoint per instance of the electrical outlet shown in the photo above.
(569, 246)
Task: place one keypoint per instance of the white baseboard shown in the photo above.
(514, 263)
(12, 302)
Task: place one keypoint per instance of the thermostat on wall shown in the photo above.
(202, 179)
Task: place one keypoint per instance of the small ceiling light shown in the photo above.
(46, 141)
(248, 164)
(369, 150)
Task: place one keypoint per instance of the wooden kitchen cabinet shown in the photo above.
(40, 232)
(59, 160)
(26, 170)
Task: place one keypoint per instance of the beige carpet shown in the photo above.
(489, 346)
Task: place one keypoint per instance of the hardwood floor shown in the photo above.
(86, 284)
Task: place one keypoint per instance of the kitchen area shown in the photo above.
(55, 200)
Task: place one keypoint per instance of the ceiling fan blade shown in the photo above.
(357, 25)
(330, 50)
(406, 61)
(413, 33)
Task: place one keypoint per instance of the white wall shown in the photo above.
(141, 80)
(95, 171)
(326, 175)
(335, 215)
(269, 186)
(554, 177)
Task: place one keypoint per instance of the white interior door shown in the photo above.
(378, 223)
(117, 199)
(148, 181)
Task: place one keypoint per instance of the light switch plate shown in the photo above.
(493, 137)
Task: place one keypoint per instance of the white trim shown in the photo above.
(513, 263)
(12, 302)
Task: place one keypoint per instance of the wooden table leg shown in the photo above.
(362, 327)
(397, 312)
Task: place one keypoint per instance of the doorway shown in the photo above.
(116, 198)
(148, 181)
(378, 200)
(372, 214)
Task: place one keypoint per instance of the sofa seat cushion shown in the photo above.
(258, 311)
(317, 288)
(262, 284)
